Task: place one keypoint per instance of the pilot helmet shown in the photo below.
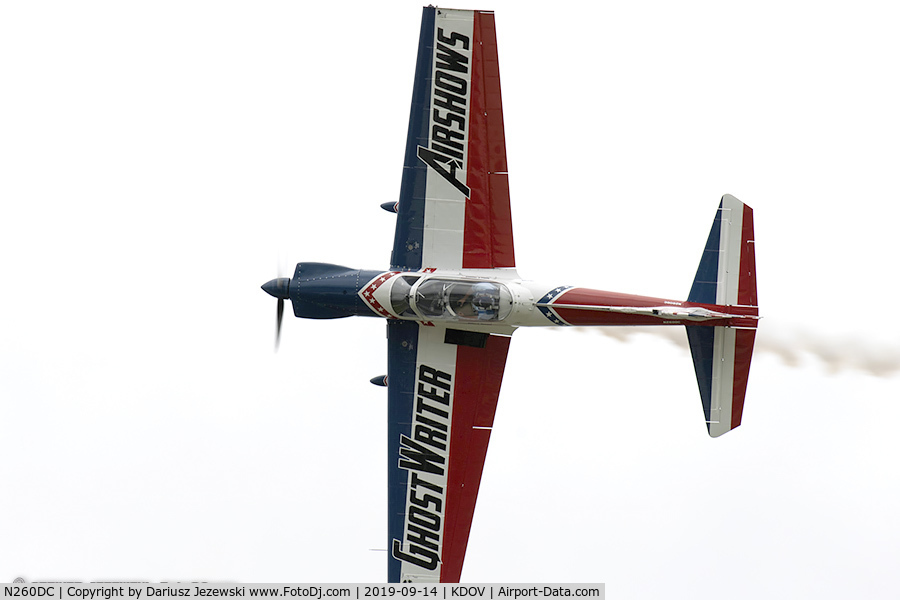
(483, 301)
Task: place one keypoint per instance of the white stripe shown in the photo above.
(730, 250)
(445, 205)
(433, 353)
(722, 381)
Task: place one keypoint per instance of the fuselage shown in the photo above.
(496, 300)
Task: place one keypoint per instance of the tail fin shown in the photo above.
(726, 277)
(727, 271)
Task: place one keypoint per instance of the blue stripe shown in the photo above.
(407, 253)
(403, 340)
(701, 340)
(706, 280)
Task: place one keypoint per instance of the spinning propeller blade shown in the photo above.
(278, 288)
(278, 320)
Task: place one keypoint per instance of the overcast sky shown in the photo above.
(160, 161)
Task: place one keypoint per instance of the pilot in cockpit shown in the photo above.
(479, 302)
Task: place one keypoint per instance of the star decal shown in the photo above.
(548, 299)
(368, 294)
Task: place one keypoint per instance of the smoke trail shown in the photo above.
(838, 353)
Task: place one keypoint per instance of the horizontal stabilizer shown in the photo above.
(722, 363)
(726, 277)
(727, 271)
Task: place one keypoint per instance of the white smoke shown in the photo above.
(792, 346)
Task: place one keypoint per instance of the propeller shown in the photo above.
(278, 288)
(279, 317)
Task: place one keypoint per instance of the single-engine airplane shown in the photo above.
(452, 298)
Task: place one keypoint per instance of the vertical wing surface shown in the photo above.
(441, 403)
(454, 209)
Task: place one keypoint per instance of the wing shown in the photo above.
(442, 395)
(454, 197)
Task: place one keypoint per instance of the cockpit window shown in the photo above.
(400, 295)
(465, 300)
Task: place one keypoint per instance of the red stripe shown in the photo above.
(588, 297)
(743, 352)
(487, 238)
(747, 279)
(744, 338)
(479, 372)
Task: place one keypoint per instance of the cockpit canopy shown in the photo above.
(450, 299)
(400, 291)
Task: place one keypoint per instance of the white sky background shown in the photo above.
(159, 160)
